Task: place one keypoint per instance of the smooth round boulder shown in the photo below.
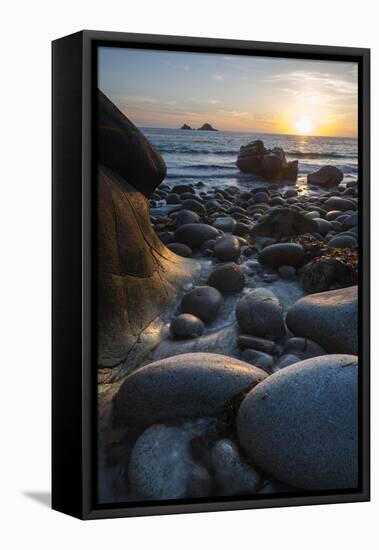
(195, 234)
(258, 359)
(173, 198)
(202, 301)
(180, 249)
(328, 318)
(184, 217)
(338, 203)
(343, 241)
(276, 255)
(232, 474)
(226, 224)
(161, 465)
(287, 271)
(300, 425)
(227, 248)
(194, 205)
(327, 176)
(303, 347)
(189, 385)
(260, 313)
(186, 326)
(227, 278)
(262, 344)
(323, 226)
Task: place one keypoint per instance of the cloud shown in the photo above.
(217, 77)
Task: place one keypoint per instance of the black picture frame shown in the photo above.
(74, 273)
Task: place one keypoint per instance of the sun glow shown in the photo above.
(304, 126)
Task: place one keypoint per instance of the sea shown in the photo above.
(210, 157)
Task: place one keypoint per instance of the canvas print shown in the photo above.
(227, 276)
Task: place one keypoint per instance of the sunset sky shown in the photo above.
(238, 93)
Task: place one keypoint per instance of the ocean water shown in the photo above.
(210, 157)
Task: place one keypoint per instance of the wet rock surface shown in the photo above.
(183, 386)
(301, 424)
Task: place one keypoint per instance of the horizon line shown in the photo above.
(247, 132)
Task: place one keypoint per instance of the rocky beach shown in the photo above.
(228, 320)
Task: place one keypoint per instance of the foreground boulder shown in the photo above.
(260, 313)
(327, 176)
(161, 465)
(301, 424)
(233, 476)
(183, 386)
(329, 318)
(124, 149)
(283, 222)
(138, 277)
(254, 158)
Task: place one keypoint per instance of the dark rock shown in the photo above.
(328, 318)
(233, 476)
(185, 127)
(195, 234)
(338, 203)
(275, 255)
(327, 176)
(284, 222)
(194, 205)
(303, 348)
(286, 360)
(260, 313)
(226, 224)
(161, 464)
(186, 326)
(138, 277)
(343, 241)
(207, 127)
(261, 344)
(123, 149)
(182, 188)
(184, 217)
(254, 158)
(258, 359)
(300, 425)
(183, 386)
(202, 301)
(173, 198)
(323, 226)
(180, 249)
(227, 248)
(287, 272)
(326, 272)
(227, 278)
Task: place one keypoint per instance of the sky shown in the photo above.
(162, 89)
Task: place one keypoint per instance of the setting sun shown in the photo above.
(304, 126)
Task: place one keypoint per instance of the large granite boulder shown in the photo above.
(138, 277)
(260, 313)
(329, 318)
(161, 464)
(254, 158)
(183, 386)
(125, 150)
(300, 425)
(327, 176)
(284, 222)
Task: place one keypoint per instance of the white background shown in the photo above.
(27, 29)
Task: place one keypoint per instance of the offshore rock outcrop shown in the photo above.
(254, 158)
(138, 277)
